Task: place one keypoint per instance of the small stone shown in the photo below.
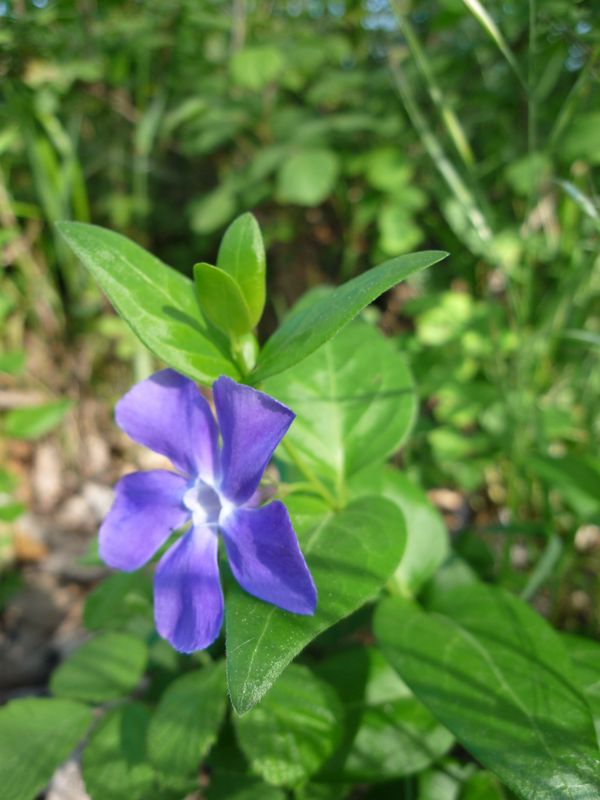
(47, 477)
(587, 538)
(67, 783)
(99, 499)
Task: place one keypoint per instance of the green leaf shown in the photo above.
(114, 761)
(187, 720)
(257, 66)
(308, 178)
(13, 363)
(482, 786)
(35, 421)
(118, 598)
(242, 255)
(389, 733)
(427, 543)
(221, 300)
(354, 399)
(227, 786)
(576, 478)
(351, 554)
(105, 668)
(36, 736)
(303, 333)
(289, 735)
(585, 655)
(157, 302)
(496, 675)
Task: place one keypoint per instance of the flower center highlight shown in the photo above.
(204, 503)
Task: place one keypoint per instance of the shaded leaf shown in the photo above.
(293, 730)
(503, 689)
(350, 554)
(105, 668)
(36, 736)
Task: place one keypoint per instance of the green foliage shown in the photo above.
(104, 668)
(157, 302)
(302, 333)
(36, 736)
(36, 421)
(262, 639)
(114, 762)
(186, 722)
(505, 690)
(355, 402)
(290, 734)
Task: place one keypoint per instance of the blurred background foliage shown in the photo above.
(355, 130)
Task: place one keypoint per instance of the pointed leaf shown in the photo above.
(242, 255)
(157, 302)
(221, 300)
(350, 554)
(301, 334)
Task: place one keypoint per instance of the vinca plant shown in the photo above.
(269, 627)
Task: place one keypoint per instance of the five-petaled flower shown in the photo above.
(215, 489)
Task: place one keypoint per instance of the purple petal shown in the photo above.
(167, 413)
(146, 510)
(252, 425)
(188, 600)
(265, 558)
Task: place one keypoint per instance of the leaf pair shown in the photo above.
(161, 307)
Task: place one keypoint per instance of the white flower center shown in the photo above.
(204, 502)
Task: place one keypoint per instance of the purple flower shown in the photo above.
(213, 490)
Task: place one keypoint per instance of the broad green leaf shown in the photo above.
(426, 537)
(351, 554)
(157, 302)
(36, 736)
(256, 66)
(308, 178)
(388, 733)
(187, 720)
(242, 255)
(497, 676)
(289, 735)
(13, 363)
(482, 786)
(114, 761)
(118, 598)
(35, 421)
(227, 786)
(585, 655)
(301, 334)
(105, 668)
(354, 399)
(221, 300)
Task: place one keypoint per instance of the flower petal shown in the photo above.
(146, 510)
(167, 413)
(252, 425)
(188, 599)
(265, 558)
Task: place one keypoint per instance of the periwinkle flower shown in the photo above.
(214, 490)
